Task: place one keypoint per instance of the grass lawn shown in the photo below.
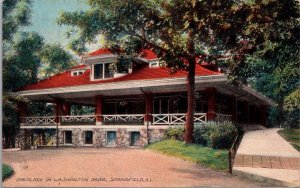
(6, 171)
(292, 136)
(208, 157)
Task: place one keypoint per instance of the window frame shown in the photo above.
(92, 141)
(65, 138)
(103, 71)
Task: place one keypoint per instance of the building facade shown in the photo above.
(133, 102)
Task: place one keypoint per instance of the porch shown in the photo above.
(117, 119)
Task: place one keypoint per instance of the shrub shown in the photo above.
(174, 133)
(221, 135)
(6, 171)
(214, 135)
(200, 135)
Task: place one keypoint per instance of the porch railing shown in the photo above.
(78, 120)
(177, 119)
(223, 118)
(123, 119)
(39, 121)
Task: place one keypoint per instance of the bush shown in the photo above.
(201, 135)
(221, 135)
(214, 135)
(174, 133)
(6, 171)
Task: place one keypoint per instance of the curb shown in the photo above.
(262, 179)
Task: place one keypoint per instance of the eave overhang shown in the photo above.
(220, 82)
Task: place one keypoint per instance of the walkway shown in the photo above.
(264, 155)
(111, 167)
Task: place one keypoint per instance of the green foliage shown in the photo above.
(175, 133)
(6, 171)
(16, 13)
(221, 136)
(55, 60)
(214, 135)
(23, 56)
(201, 135)
(292, 101)
(215, 159)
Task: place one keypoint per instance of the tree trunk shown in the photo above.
(189, 126)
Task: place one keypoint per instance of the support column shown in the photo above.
(149, 109)
(66, 109)
(99, 108)
(254, 114)
(22, 111)
(233, 106)
(58, 109)
(263, 115)
(211, 100)
(246, 112)
(24, 133)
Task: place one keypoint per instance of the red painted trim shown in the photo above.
(211, 102)
(149, 107)
(99, 107)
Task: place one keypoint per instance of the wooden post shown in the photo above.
(99, 108)
(59, 111)
(246, 112)
(211, 100)
(233, 106)
(149, 108)
(263, 115)
(66, 109)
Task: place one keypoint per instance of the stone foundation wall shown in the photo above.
(156, 135)
(123, 137)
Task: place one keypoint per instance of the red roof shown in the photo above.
(148, 54)
(101, 51)
(65, 79)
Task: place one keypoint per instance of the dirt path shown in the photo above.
(111, 167)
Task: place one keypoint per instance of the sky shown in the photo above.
(44, 20)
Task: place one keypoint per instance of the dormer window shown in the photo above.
(153, 64)
(101, 71)
(77, 72)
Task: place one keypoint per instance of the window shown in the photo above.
(154, 64)
(77, 72)
(98, 71)
(88, 137)
(111, 137)
(135, 139)
(68, 137)
(102, 71)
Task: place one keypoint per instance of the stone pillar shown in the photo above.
(263, 115)
(211, 100)
(43, 137)
(149, 109)
(246, 112)
(233, 107)
(99, 108)
(25, 139)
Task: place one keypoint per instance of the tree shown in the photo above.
(272, 69)
(55, 60)
(16, 13)
(179, 31)
(22, 58)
